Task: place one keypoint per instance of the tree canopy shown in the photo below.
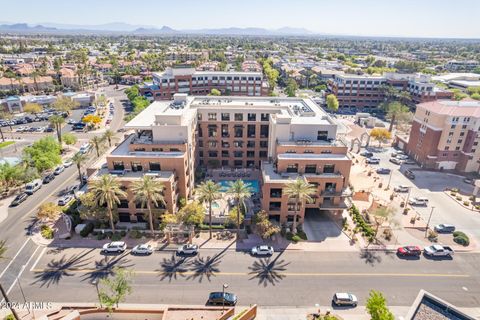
(377, 307)
(44, 154)
(332, 102)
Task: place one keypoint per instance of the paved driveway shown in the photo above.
(319, 227)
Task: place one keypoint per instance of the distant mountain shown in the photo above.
(24, 27)
(251, 31)
(162, 30)
(113, 26)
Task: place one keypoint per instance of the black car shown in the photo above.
(48, 130)
(48, 178)
(19, 199)
(366, 154)
(409, 174)
(220, 298)
(383, 171)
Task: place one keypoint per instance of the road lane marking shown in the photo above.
(38, 259)
(23, 269)
(293, 274)
(16, 255)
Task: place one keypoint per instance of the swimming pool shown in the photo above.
(215, 205)
(253, 184)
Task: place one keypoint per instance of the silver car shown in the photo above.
(187, 249)
(142, 249)
(262, 251)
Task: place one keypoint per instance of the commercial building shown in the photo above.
(190, 81)
(364, 92)
(461, 65)
(444, 135)
(280, 139)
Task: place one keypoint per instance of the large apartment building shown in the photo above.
(364, 92)
(278, 138)
(190, 81)
(445, 135)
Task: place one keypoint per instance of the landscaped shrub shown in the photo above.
(366, 229)
(214, 227)
(296, 238)
(135, 234)
(116, 236)
(344, 223)
(101, 236)
(454, 190)
(462, 240)
(123, 233)
(87, 230)
(466, 203)
(46, 232)
(453, 193)
(302, 234)
(432, 235)
(458, 198)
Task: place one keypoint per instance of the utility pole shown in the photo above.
(428, 223)
(389, 179)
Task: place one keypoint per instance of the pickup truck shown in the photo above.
(438, 251)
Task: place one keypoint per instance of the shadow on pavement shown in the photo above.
(205, 267)
(105, 267)
(268, 272)
(173, 267)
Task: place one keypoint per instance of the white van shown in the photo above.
(84, 148)
(33, 186)
(418, 201)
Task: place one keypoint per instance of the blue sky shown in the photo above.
(425, 18)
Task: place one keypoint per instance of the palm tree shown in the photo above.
(108, 135)
(107, 191)
(240, 191)
(208, 192)
(57, 122)
(79, 158)
(96, 142)
(299, 190)
(149, 191)
(3, 249)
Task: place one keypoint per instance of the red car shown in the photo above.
(409, 251)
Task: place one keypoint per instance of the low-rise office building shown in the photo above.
(280, 139)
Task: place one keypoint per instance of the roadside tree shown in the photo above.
(381, 135)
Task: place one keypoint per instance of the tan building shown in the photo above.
(444, 135)
(277, 138)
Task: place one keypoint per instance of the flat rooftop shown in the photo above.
(464, 108)
(122, 150)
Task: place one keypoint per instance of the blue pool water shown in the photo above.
(215, 205)
(253, 184)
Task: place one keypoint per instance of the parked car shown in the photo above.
(383, 171)
(418, 201)
(410, 161)
(409, 174)
(344, 299)
(49, 177)
(33, 186)
(469, 181)
(366, 154)
(262, 251)
(58, 170)
(438, 251)
(222, 298)
(396, 160)
(71, 121)
(65, 200)
(401, 188)
(84, 148)
(372, 160)
(116, 246)
(19, 199)
(187, 249)
(444, 228)
(67, 163)
(48, 129)
(411, 251)
(142, 249)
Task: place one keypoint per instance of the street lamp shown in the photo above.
(95, 283)
(428, 223)
(225, 286)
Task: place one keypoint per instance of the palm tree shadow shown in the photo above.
(268, 272)
(63, 267)
(105, 267)
(370, 257)
(205, 267)
(172, 268)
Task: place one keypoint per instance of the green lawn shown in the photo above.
(6, 144)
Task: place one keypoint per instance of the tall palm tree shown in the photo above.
(107, 191)
(57, 122)
(149, 191)
(240, 191)
(79, 159)
(108, 135)
(299, 190)
(208, 192)
(3, 249)
(96, 142)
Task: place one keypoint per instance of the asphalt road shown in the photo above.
(289, 278)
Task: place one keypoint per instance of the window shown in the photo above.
(123, 203)
(252, 117)
(250, 144)
(251, 131)
(154, 166)
(225, 131)
(200, 132)
(250, 154)
(212, 144)
(446, 148)
(462, 134)
(212, 116)
(200, 154)
(264, 117)
(225, 154)
(225, 116)
(274, 206)
(290, 151)
(275, 193)
(212, 154)
(157, 149)
(238, 163)
(292, 167)
(238, 154)
(212, 131)
(450, 134)
(329, 168)
(263, 144)
(457, 148)
(293, 207)
(225, 163)
(238, 130)
(452, 126)
(199, 116)
(264, 131)
(250, 163)
(311, 168)
(309, 151)
(238, 144)
(464, 126)
(136, 166)
(322, 135)
(263, 154)
(225, 144)
(459, 141)
(139, 149)
(118, 165)
(238, 116)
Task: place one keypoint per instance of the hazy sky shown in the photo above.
(425, 18)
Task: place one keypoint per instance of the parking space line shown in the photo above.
(38, 259)
(13, 259)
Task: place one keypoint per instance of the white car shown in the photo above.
(142, 249)
(116, 246)
(418, 201)
(262, 251)
(68, 163)
(372, 160)
(187, 249)
(71, 121)
(65, 200)
(401, 188)
(344, 299)
(58, 170)
(84, 148)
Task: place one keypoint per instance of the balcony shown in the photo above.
(270, 174)
(329, 205)
(346, 192)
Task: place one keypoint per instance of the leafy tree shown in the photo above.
(32, 108)
(108, 135)
(215, 92)
(3, 250)
(148, 192)
(69, 138)
(381, 135)
(92, 120)
(232, 218)
(475, 96)
(332, 102)
(208, 192)
(43, 154)
(107, 191)
(291, 88)
(377, 307)
(49, 211)
(192, 214)
(64, 104)
(381, 215)
(101, 101)
(89, 208)
(240, 191)
(132, 92)
(96, 142)
(271, 73)
(116, 289)
(300, 191)
(395, 110)
(264, 226)
(10, 176)
(458, 94)
(57, 121)
(320, 88)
